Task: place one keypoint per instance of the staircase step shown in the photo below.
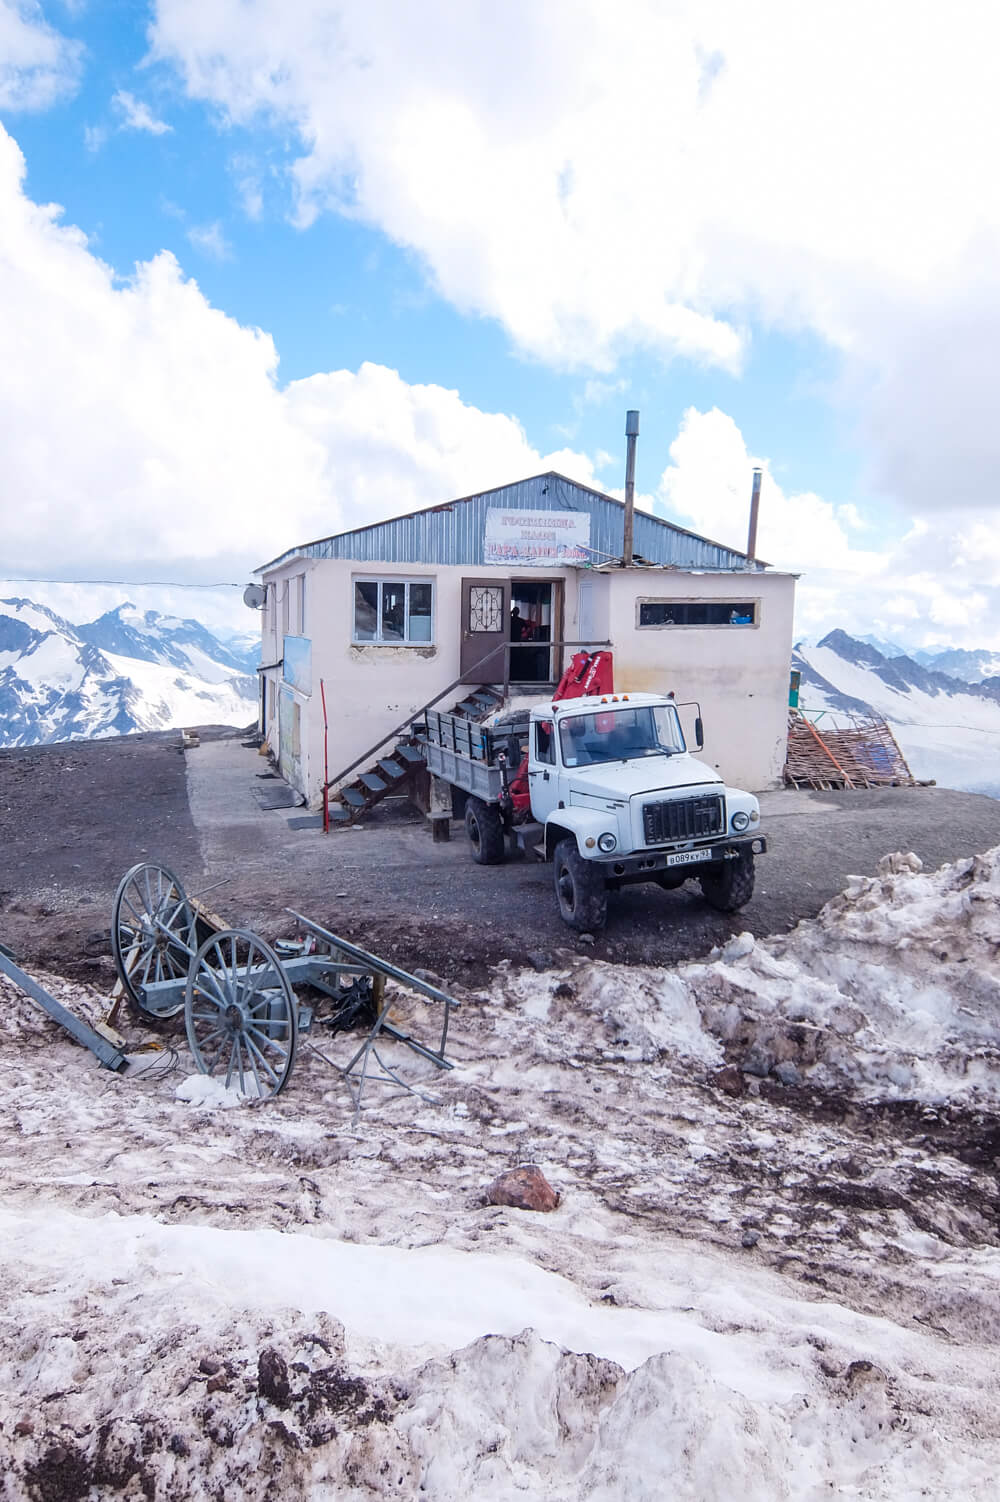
(528, 835)
(391, 769)
(354, 797)
(410, 754)
(339, 815)
(467, 707)
(373, 782)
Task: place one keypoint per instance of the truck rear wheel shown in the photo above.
(730, 886)
(580, 890)
(485, 831)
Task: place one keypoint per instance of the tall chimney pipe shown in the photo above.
(754, 509)
(631, 434)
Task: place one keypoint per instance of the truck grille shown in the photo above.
(683, 819)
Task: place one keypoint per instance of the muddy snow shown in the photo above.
(773, 1271)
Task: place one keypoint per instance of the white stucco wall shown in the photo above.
(370, 688)
(739, 674)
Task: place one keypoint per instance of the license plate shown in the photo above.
(689, 857)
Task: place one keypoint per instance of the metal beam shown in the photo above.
(370, 962)
(81, 1032)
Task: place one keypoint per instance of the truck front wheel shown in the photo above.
(580, 889)
(730, 886)
(485, 830)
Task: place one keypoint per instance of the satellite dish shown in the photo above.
(254, 596)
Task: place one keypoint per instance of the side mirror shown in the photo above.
(699, 734)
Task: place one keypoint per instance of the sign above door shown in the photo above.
(536, 539)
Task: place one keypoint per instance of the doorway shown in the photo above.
(485, 615)
(535, 622)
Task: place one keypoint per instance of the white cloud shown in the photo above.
(390, 447)
(209, 239)
(94, 137)
(600, 181)
(937, 582)
(709, 482)
(595, 393)
(902, 608)
(246, 173)
(37, 65)
(851, 517)
(145, 435)
(137, 115)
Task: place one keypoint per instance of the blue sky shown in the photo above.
(468, 249)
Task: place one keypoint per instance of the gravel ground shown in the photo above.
(74, 817)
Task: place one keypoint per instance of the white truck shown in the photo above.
(605, 788)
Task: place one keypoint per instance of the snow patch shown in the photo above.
(208, 1093)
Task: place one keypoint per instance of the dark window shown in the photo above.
(697, 613)
(544, 742)
(393, 610)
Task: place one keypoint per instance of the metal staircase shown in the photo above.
(395, 770)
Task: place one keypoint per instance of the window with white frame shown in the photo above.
(292, 593)
(396, 612)
(298, 611)
(652, 613)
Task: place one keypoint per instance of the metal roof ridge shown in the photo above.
(475, 495)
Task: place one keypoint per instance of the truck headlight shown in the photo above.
(740, 821)
(607, 843)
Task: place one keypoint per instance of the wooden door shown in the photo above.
(485, 630)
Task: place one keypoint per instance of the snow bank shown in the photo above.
(219, 1368)
(893, 991)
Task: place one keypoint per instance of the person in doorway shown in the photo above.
(517, 625)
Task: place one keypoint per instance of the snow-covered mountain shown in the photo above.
(129, 670)
(887, 648)
(947, 728)
(971, 667)
(186, 644)
(957, 662)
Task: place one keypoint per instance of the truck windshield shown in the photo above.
(620, 734)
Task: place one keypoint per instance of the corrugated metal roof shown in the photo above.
(454, 532)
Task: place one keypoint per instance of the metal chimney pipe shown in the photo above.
(631, 434)
(754, 509)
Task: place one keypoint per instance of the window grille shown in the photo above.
(486, 608)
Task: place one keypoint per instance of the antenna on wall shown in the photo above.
(254, 596)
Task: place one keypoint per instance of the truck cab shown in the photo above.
(616, 798)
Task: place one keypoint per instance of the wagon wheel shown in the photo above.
(240, 1013)
(152, 935)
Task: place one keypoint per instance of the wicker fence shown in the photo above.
(861, 753)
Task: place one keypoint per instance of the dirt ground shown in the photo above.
(75, 816)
